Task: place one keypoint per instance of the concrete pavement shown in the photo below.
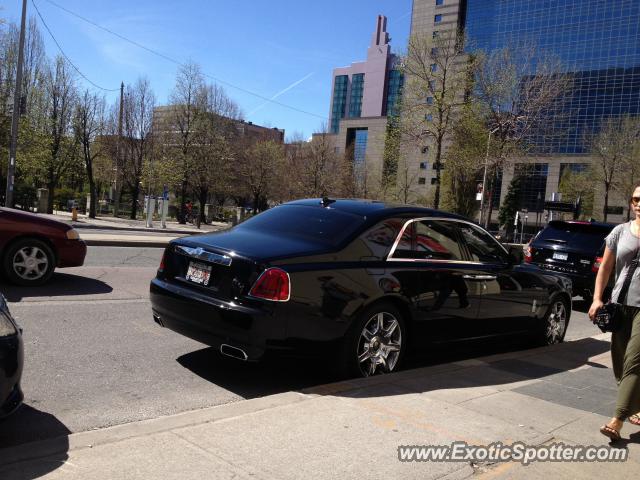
(352, 429)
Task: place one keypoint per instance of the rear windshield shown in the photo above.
(579, 235)
(324, 226)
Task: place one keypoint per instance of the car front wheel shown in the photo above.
(377, 343)
(29, 262)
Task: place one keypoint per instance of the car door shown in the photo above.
(510, 296)
(429, 260)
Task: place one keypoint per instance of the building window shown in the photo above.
(434, 51)
(428, 117)
(432, 85)
(423, 165)
(394, 92)
(434, 67)
(437, 19)
(534, 183)
(435, 34)
(339, 103)
(357, 90)
(435, 166)
(439, 2)
(429, 100)
(434, 181)
(425, 149)
(422, 181)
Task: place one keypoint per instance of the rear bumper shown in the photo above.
(11, 363)
(71, 253)
(579, 282)
(214, 322)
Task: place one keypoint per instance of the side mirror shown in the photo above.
(516, 254)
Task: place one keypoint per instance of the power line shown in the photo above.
(179, 63)
(66, 56)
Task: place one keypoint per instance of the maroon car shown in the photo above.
(31, 247)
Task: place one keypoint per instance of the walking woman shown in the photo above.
(622, 247)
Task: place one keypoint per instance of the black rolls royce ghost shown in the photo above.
(362, 281)
(11, 361)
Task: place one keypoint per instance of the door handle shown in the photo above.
(479, 277)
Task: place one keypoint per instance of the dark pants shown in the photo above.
(625, 353)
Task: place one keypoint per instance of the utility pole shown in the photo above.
(119, 163)
(17, 94)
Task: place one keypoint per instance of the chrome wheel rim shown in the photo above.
(557, 322)
(379, 345)
(30, 263)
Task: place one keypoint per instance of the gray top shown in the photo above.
(625, 245)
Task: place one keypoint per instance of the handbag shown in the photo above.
(608, 317)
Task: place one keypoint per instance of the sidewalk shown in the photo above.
(352, 429)
(125, 232)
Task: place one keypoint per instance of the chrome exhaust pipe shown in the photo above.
(234, 352)
(156, 318)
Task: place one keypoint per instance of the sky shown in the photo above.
(280, 49)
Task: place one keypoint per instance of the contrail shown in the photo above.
(281, 92)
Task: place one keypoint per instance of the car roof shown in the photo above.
(598, 225)
(372, 208)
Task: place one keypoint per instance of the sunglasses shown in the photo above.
(635, 200)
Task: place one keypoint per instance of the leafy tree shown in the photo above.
(512, 203)
(574, 185)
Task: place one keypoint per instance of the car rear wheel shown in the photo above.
(376, 344)
(555, 323)
(29, 262)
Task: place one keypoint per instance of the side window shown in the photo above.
(429, 239)
(482, 246)
(378, 240)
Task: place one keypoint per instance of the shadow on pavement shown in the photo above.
(30, 425)
(251, 380)
(276, 375)
(61, 284)
(581, 305)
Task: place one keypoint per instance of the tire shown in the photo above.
(28, 262)
(555, 322)
(365, 352)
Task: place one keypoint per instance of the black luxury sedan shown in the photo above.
(573, 249)
(356, 281)
(11, 361)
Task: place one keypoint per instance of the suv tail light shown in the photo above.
(596, 264)
(528, 254)
(273, 284)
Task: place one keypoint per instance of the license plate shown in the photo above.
(199, 273)
(560, 256)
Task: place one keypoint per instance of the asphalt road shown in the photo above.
(95, 358)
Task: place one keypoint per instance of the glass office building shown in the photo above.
(596, 41)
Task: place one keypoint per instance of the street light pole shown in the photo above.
(17, 97)
(484, 178)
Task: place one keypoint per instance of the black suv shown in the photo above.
(571, 248)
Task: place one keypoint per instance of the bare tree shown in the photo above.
(88, 125)
(613, 148)
(260, 165)
(212, 152)
(319, 166)
(185, 99)
(438, 74)
(137, 132)
(63, 148)
(521, 90)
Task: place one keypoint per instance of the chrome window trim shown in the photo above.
(202, 254)
(420, 219)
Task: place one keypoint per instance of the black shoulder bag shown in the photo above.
(608, 317)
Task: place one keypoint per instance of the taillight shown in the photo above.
(273, 284)
(528, 254)
(596, 264)
(161, 267)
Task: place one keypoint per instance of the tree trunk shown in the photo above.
(93, 195)
(52, 190)
(183, 201)
(606, 202)
(436, 197)
(202, 199)
(135, 193)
